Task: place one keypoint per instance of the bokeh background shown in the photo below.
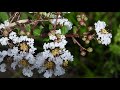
(103, 62)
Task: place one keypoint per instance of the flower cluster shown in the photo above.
(20, 52)
(63, 22)
(103, 35)
(55, 57)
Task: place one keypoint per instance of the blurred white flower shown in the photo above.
(63, 21)
(27, 72)
(103, 35)
(4, 40)
(3, 67)
(4, 25)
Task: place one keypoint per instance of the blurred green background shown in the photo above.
(103, 62)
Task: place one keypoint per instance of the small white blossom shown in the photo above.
(100, 25)
(27, 72)
(59, 71)
(48, 73)
(12, 35)
(102, 34)
(62, 22)
(6, 24)
(13, 52)
(4, 40)
(3, 67)
(30, 58)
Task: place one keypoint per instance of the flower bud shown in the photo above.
(22, 32)
(83, 53)
(87, 41)
(90, 37)
(90, 49)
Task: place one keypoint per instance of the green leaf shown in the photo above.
(37, 32)
(74, 29)
(23, 15)
(46, 39)
(115, 49)
(28, 27)
(82, 30)
(50, 27)
(64, 30)
(4, 16)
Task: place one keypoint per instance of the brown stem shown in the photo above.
(56, 22)
(75, 41)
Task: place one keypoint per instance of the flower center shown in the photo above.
(5, 33)
(55, 52)
(24, 47)
(49, 65)
(104, 31)
(24, 63)
(65, 63)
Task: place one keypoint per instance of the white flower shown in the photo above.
(67, 56)
(22, 38)
(100, 25)
(6, 24)
(59, 71)
(12, 35)
(103, 35)
(30, 41)
(30, 58)
(48, 73)
(4, 40)
(62, 22)
(32, 50)
(51, 45)
(105, 38)
(46, 46)
(3, 67)
(13, 52)
(2, 55)
(68, 24)
(14, 64)
(27, 72)
(52, 37)
(58, 31)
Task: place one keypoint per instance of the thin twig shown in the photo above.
(75, 41)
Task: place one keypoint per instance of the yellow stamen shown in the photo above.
(55, 52)
(24, 47)
(103, 31)
(65, 63)
(49, 65)
(24, 63)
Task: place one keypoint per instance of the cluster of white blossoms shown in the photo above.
(63, 22)
(20, 49)
(55, 57)
(103, 35)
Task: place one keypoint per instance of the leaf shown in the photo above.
(64, 30)
(50, 27)
(23, 15)
(115, 49)
(36, 32)
(46, 39)
(4, 16)
(28, 27)
(82, 30)
(74, 29)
